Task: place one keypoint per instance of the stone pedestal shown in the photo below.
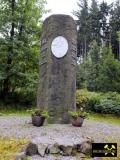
(57, 82)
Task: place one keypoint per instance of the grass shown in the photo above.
(105, 118)
(9, 147)
(12, 111)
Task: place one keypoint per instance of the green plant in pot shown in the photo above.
(38, 117)
(78, 117)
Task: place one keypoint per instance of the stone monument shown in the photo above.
(57, 82)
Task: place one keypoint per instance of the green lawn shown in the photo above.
(105, 118)
(12, 111)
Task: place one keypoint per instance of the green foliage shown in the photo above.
(105, 103)
(20, 31)
(83, 31)
(81, 99)
(76, 114)
(109, 74)
(1, 114)
(88, 70)
(108, 106)
(38, 112)
(89, 99)
(115, 27)
(94, 22)
(93, 100)
(100, 71)
(98, 46)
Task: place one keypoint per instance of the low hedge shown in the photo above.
(105, 103)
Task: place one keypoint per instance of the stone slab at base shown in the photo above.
(65, 147)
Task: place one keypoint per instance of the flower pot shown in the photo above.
(77, 121)
(38, 120)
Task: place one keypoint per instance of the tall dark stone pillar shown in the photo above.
(57, 82)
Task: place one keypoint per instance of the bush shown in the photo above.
(108, 106)
(92, 102)
(105, 103)
(112, 95)
(86, 99)
(81, 98)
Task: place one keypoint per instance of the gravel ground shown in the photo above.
(21, 127)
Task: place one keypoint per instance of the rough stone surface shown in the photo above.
(51, 157)
(86, 146)
(97, 158)
(42, 149)
(20, 156)
(31, 149)
(57, 83)
(62, 146)
(53, 149)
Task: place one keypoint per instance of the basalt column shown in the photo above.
(57, 81)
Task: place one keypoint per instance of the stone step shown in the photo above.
(65, 148)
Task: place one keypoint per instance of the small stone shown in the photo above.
(67, 150)
(78, 147)
(97, 158)
(42, 149)
(31, 149)
(82, 155)
(74, 151)
(86, 148)
(89, 140)
(53, 149)
(20, 156)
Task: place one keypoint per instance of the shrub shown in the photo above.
(112, 95)
(105, 103)
(81, 98)
(108, 106)
(93, 100)
(87, 100)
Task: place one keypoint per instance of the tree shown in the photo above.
(104, 22)
(20, 29)
(83, 31)
(115, 26)
(109, 72)
(118, 34)
(94, 22)
(93, 70)
(88, 70)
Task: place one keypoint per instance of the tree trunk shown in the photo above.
(6, 83)
(119, 52)
(85, 49)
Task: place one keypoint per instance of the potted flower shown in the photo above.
(77, 117)
(38, 117)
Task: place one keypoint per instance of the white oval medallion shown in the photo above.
(59, 46)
